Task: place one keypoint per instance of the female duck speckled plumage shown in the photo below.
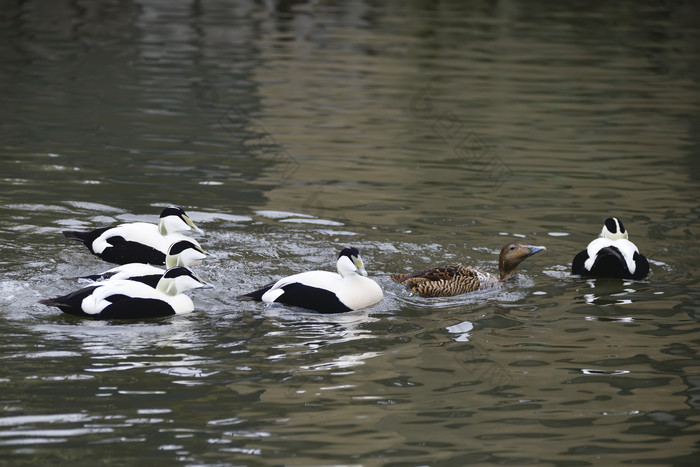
(447, 281)
(611, 255)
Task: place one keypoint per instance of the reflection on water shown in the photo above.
(423, 134)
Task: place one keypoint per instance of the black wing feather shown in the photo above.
(312, 298)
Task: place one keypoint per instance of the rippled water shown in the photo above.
(422, 134)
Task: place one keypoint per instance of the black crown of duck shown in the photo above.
(447, 281)
(611, 255)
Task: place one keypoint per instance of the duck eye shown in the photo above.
(512, 248)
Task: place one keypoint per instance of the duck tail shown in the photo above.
(91, 278)
(75, 235)
(49, 302)
(85, 237)
(399, 278)
(256, 295)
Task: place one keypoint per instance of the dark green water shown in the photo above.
(423, 134)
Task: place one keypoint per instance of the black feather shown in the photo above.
(312, 298)
(121, 307)
(578, 265)
(257, 294)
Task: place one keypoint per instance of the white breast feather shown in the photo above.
(181, 303)
(358, 292)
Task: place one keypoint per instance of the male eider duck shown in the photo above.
(611, 255)
(125, 299)
(447, 281)
(323, 291)
(182, 253)
(138, 242)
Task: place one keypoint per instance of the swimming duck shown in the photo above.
(447, 281)
(611, 255)
(125, 299)
(138, 242)
(182, 253)
(323, 291)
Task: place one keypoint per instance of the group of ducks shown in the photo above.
(138, 289)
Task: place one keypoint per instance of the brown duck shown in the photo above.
(446, 281)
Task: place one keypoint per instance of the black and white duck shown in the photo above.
(182, 253)
(447, 281)
(138, 242)
(125, 299)
(611, 255)
(323, 291)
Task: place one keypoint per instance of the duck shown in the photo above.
(182, 253)
(126, 299)
(325, 292)
(612, 254)
(138, 242)
(448, 281)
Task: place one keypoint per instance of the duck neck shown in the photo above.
(171, 261)
(508, 274)
(167, 287)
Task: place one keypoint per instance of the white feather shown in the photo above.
(625, 247)
(125, 271)
(359, 292)
(173, 224)
(273, 294)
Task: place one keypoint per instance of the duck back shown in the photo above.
(446, 281)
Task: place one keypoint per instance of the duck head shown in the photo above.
(184, 253)
(350, 262)
(613, 229)
(180, 279)
(174, 219)
(512, 255)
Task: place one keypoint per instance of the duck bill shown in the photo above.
(204, 255)
(189, 222)
(204, 285)
(360, 266)
(534, 249)
(210, 255)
